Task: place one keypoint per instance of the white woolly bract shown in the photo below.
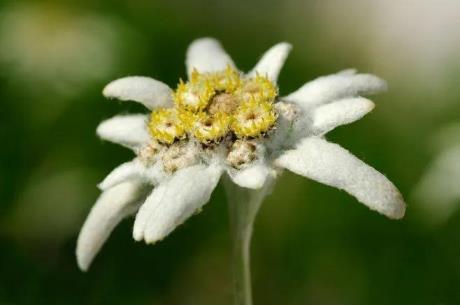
(207, 55)
(175, 200)
(145, 90)
(328, 163)
(131, 170)
(112, 206)
(127, 130)
(253, 177)
(336, 86)
(185, 179)
(272, 61)
(346, 111)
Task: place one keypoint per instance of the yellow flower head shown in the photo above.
(253, 118)
(211, 105)
(207, 129)
(258, 88)
(166, 125)
(195, 94)
(226, 81)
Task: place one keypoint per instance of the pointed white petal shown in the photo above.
(185, 195)
(174, 201)
(145, 90)
(346, 111)
(150, 205)
(336, 86)
(127, 130)
(272, 61)
(207, 55)
(328, 163)
(127, 171)
(253, 177)
(112, 206)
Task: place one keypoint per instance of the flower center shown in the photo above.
(211, 106)
(224, 103)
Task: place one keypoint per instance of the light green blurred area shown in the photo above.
(312, 244)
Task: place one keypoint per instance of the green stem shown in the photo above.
(243, 207)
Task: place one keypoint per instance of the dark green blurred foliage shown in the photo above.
(312, 244)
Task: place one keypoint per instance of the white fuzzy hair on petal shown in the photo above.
(272, 61)
(175, 200)
(127, 130)
(207, 55)
(253, 177)
(328, 163)
(341, 112)
(336, 86)
(145, 90)
(112, 206)
(126, 171)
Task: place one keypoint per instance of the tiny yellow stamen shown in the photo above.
(166, 125)
(253, 118)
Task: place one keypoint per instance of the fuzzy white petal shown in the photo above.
(127, 130)
(346, 111)
(253, 177)
(207, 55)
(272, 61)
(145, 90)
(155, 174)
(126, 171)
(112, 206)
(336, 86)
(328, 163)
(175, 200)
(150, 205)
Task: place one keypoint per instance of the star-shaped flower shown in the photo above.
(224, 122)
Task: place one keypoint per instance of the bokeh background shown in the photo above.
(312, 244)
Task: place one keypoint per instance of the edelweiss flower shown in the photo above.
(224, 122)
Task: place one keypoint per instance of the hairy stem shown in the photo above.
(243, 207)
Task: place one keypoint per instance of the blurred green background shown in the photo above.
(312, 244)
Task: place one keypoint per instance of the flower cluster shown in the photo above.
(224, 122)
(213, 107)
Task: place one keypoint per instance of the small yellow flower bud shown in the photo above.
(253, 118)
(194, 95)
(226, 81)
(166, 126)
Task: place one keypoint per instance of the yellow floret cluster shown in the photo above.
(211, 106)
